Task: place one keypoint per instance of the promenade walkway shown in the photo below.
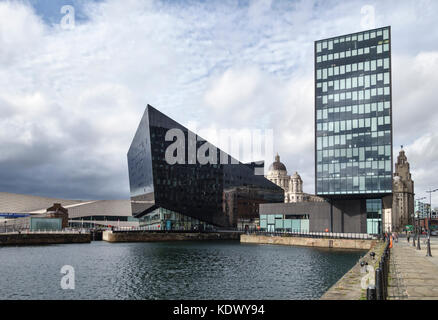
(413, 276)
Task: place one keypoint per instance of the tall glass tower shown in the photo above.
(353, 119)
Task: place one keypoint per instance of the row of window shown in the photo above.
(348, 125)
(356, 95)
(373, 65)
(365, 81)
(362, 184)
(379, 49)
(356, 140)
(355, 169)
(329, 44)
(353, 110)
(361, 152)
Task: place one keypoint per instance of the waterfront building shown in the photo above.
(178, 190)
(403, 197)
(17, 209)
(353, 128)
(292, 185)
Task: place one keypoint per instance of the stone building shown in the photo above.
(58, 211)
(403, 194)
(292, 185)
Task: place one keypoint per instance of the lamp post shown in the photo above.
(418, 231)
(429, 253)
(415, 230)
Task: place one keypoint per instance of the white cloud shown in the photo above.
(71, 99)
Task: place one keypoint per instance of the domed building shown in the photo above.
(292, 185)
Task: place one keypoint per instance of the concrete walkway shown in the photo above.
(413, 276)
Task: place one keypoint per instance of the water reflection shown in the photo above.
(173, 270)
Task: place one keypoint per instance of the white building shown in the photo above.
(292, 185)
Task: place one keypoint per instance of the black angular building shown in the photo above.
(353, 128)
(173, 189)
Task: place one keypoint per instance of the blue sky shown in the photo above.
(71, 100)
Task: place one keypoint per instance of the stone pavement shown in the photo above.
(413, 276)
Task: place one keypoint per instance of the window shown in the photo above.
(367, 66)
(386, 78)
(387, 91)
(318, 47)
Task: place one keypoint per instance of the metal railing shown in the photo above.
(379, 291)
(319, 235)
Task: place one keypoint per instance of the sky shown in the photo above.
(72, 94)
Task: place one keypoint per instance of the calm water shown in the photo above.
(175, 270)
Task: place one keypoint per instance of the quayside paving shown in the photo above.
(349, 287)
(413, 276)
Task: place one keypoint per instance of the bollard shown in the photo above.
(371, 292)
(383, 277)
(379, 284)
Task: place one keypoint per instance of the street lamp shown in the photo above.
(429, 253)
(415, 230)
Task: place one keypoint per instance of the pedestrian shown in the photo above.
(408, 234)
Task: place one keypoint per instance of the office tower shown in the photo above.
(353, 127)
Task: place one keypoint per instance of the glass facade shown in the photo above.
(374, 216)
(164, 219)
(218, 193)
(353, 115)
(284, 223)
